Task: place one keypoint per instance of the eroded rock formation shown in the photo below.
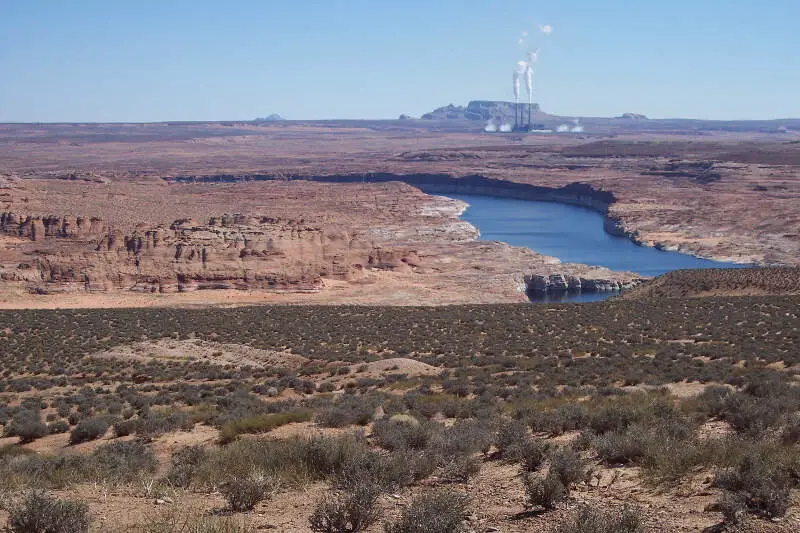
(226, 252)
(560, 282)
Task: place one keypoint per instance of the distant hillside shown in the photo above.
(720, 282)
(271, 118)
(482, 110)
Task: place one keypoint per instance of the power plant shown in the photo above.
(524, 114)
(520, 124)
(524, 68)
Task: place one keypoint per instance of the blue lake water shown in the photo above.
(573, 234)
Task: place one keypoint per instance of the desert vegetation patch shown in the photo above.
(626, 415)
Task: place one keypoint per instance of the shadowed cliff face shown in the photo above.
(37, 228)
(574, 193)
(537, 284)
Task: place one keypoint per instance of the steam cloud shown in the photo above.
(519, 71)
(525, 68)
(532, 58)
(566, 128)
(492, 127)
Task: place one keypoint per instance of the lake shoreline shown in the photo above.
(571, 234)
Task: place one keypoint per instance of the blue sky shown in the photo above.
(146, 60)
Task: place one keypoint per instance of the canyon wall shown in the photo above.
(579, 194)
(54, 253)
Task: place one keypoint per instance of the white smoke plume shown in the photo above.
(529, 82)
(532, 58)
(519, 71)
(566, 128)
(490, 127)
(526, 67)
(505, 127)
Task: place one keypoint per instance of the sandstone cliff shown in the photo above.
(226, 252)
(561, 282)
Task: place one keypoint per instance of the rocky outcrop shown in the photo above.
(555, 283)
(227, 252)
(274, 117)
(479, 110)
(37, 228)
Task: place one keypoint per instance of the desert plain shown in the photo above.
(286, 326)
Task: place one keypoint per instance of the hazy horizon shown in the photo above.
(351, 60)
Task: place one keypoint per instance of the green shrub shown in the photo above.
(791, 431)
(532, 454)
(41, 513)
(292, 460)
(27, 425)
(407, 466)
(613, 418)
(567, 417)
(511, 435)
(124, 460)
(568, 465)
(621, 446)
(44, 471)
(57, 426)
(156, 423)
(390, 472)
(751, 416)
(345, 512)
(348, 410)
(463, 437)
(761, 483)
(712, 400)
(260, 424)
(123, 428)
(432, 512)
(175, 519)
(544, 493)
(89, 429)
(184, 465)
(589, 520)
(394, 434)
(459, 468)
(733, 506)
(244, 493)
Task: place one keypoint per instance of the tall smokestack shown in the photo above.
(532, 58)
(519, 71)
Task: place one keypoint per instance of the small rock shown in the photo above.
(491, 529)
(396, 496)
